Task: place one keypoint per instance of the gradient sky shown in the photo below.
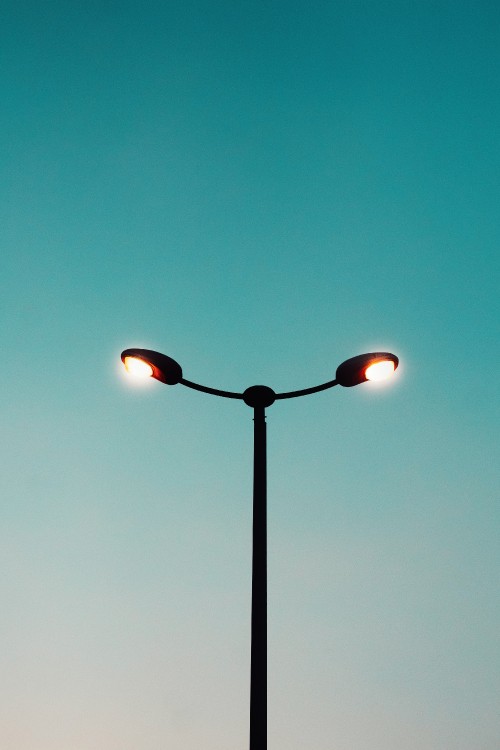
(260, 190)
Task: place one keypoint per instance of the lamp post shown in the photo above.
(372, 366)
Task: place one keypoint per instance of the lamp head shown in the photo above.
(372, 366)
(146, 363)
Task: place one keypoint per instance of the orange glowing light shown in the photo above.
(138, 367)
(380, 370)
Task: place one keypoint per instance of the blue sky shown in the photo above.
(260, 190)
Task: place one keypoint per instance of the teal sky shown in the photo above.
(260, 190)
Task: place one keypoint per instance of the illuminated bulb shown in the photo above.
(138, 367)
(380, 370)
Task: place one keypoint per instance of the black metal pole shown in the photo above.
(258, 669)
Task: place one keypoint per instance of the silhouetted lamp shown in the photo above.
(372, 366)
(148, 364)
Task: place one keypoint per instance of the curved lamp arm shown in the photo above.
(244, 396)
(306, 391)
(206, 389)
(232, 394)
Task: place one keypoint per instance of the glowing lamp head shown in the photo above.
(372, 366)
(145, 363)
(380, 370)
(138, 367)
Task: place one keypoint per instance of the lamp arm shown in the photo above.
(206, 389)
(306, 391)
(231, 394)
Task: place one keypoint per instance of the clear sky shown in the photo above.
(260, 190)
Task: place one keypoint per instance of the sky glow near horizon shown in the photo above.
(260, 191)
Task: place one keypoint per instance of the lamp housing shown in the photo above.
(165, 369)
(353, 371)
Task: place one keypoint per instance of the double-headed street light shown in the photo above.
(373, 366)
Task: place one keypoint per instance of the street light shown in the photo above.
(372, 366)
